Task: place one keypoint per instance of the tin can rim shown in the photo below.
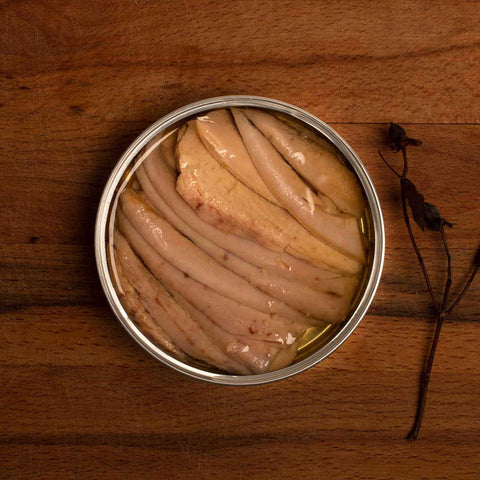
(317, 125)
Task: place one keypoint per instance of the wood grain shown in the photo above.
(78, 82)
(193, 458)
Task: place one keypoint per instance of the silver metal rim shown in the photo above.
(195, 109)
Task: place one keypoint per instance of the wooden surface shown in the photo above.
(78, 82)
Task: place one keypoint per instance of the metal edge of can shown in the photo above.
(194, 109)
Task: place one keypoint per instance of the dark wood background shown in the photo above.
(79, 80)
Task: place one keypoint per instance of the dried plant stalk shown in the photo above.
(427, 216)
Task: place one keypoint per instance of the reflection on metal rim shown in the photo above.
(196, 109)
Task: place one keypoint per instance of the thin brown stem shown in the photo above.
(417, 252)
(449, 267)
(388, 165)
(405, 162)
(399, 141)
(425, 380)
(464, 291)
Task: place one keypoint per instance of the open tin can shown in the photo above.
(314, 349)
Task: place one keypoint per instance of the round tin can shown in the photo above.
(376, 229)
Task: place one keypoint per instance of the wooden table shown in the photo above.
(79, 81)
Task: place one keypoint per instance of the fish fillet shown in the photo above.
(319, 166)
(226, 313)
(176, 322)
(340, 232)
(326, 306)
(183, 254)
(145, 322)
(226, 203)
(221, 138)
(256, 355)
(279, 263)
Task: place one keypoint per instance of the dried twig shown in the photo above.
(427, 216)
